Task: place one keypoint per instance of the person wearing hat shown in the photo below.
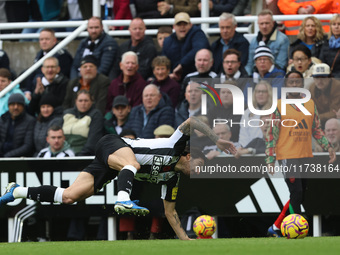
(16, 129)
(115, 119)
(272, 37)
(182, 45)
(49, 114)
(52, 81)
(325, 91)
(91, 80)
(163, 131)
(98, 44)
(265, 69)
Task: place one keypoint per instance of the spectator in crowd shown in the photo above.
(233, 69)
(129, 83)
(58, 147)
(243, 8)
(331, 49)
(223, 132)
(191, 105)
(16, 129)
(4, 60)
(77, 10)
(182, 45)
(121, 10)
(203, 63)
(332, 133)
(265, 69)
(98, 44)
(294, 150)
(217, 7)
(147, 9)
(5, 80)
(274, 39)
(229, 39)
(262, 99)
(83, 124)
(142, 45)
(145, 118)
(258, 144)
(116, 118)
(90, 79)
(304, 63)
(52, 82)
(162, 33)
(42, 11)
(47, 41)
(325, 92)
(49, 114)
(293, 7)
(225, 111)
(311, 34)
(14, 11)
(161, 69)
(172, 7)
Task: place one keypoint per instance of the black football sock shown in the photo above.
(42, 194)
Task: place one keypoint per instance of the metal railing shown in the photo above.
(149, 22)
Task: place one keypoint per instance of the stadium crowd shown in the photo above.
(106, 88)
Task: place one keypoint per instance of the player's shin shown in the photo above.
(125, 182)
(45, 194)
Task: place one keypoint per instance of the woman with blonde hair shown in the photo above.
(311, 34)
(262, 100)
(331, 49)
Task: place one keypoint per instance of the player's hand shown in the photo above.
(270, 167)
(332, 155)
(226, 146)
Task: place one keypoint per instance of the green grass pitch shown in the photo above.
(235, 246)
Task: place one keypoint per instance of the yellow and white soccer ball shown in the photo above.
(204, 226)
(294, 226)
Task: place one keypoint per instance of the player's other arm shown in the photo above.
(195, 123)
(173, 219)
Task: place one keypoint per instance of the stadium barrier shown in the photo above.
(254, 196)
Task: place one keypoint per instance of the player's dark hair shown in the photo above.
(129, 132)
(54, 127)
(195, 152)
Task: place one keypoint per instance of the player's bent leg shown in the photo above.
(82, 188)
(121, 158)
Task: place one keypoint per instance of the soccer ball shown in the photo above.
(204, 226)
(294, 226)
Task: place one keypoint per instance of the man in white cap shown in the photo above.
(325, 92)
(182, 45)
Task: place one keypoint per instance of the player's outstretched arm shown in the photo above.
(197, 124)
(173, 219)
